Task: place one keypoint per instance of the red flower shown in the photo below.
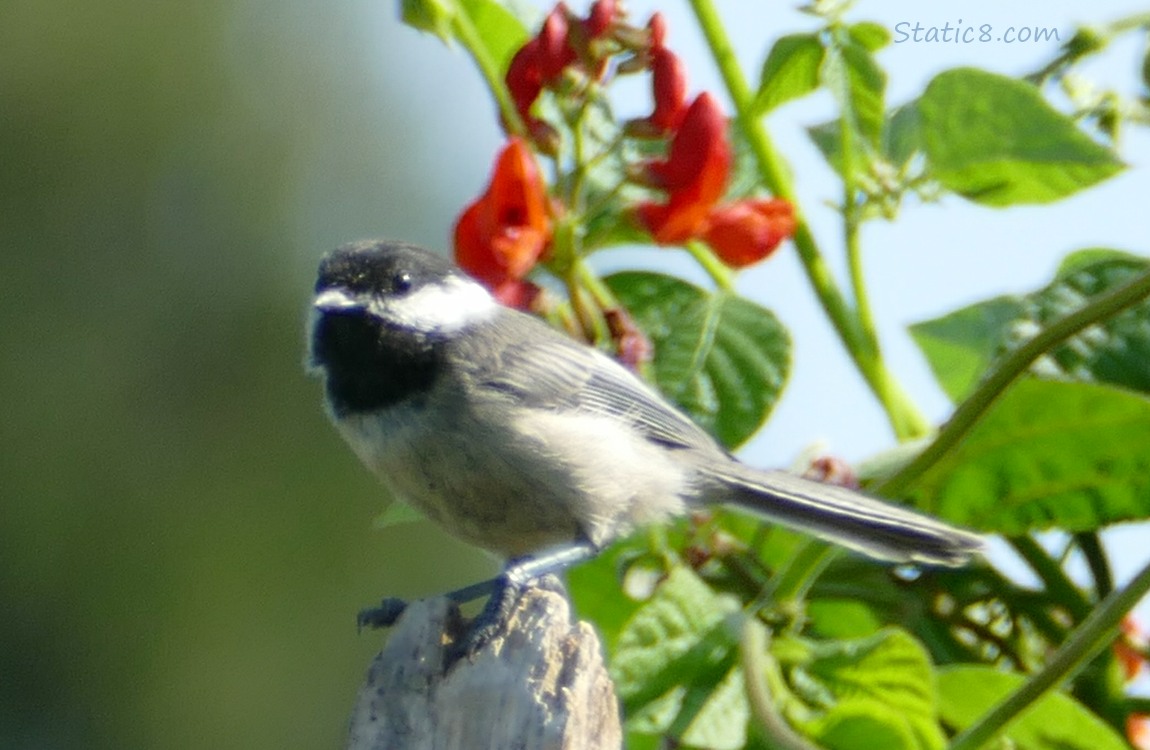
(600, 18)
(1138, 731)
(501, 236)
(748, 231)
(668, 81)
(517, 293)
(1130, 647)
(694, 175)
(657, 27)
(540, 62)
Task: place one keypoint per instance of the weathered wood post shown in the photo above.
(539, 682)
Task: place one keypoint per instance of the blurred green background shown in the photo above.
(184, 541)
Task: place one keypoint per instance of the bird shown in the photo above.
(518, 439)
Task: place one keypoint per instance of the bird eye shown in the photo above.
(401, 282)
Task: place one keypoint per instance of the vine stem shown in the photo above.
(1014, 364)
(470, 37)
(852, 220)
(1096, 560)
(906, 421)
(757, 665)
(1095, 633)
(719, 273)
(1054, 578)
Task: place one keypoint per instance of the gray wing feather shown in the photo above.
(563, 375)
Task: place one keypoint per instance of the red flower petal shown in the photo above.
(1138, 731)
(1130, 658)
(700, 155)
(658, 28)
(472, 253)
(540, 62)
(668, 79)
(518, 294)
(555, 52)
(502, 235)
(525, 78)
(694, 174)
(600, 18)
(669, 82)
(748, 231)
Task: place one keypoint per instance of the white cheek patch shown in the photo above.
(446, 307)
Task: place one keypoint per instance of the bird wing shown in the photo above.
(559, 374)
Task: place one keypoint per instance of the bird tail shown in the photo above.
(866, 524)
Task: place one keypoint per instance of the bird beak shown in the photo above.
(336, 300)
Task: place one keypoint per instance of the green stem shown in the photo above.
(757, 665)
(905, 419)
(1096, 560)
(1014, 364)
(850, 211)
(722, 276)
(1058, 585)
(1129, 23)
(575, 201)
(1033, 605)
(1095, 634)
(802, 569)
(1103, 35)
(472, 40)
(604, 298)
(858, 280)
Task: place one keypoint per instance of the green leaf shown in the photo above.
(397, 514)
(1055, 721)
(996, 141)
(1075, 456)
(902, 136)
(433, 16)
(859, 85)
(680, 628)
(714, 717)
(1146, 68)
(642, 741)
(503, 33)
(869, 35)
(842, 618)
(597, 591)
(674, 666)
(790, 71)
(961, 346)
(1080, 260)
(827, 137)
(1115, 351)
(745, 179)
(720, 357)
(867, 88)
(882, 686)
(864, 724)
(499, 30)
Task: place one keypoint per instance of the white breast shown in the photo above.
(517, 482)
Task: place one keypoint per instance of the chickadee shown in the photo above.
(517, 439)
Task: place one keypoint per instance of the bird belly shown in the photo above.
(519, 481)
